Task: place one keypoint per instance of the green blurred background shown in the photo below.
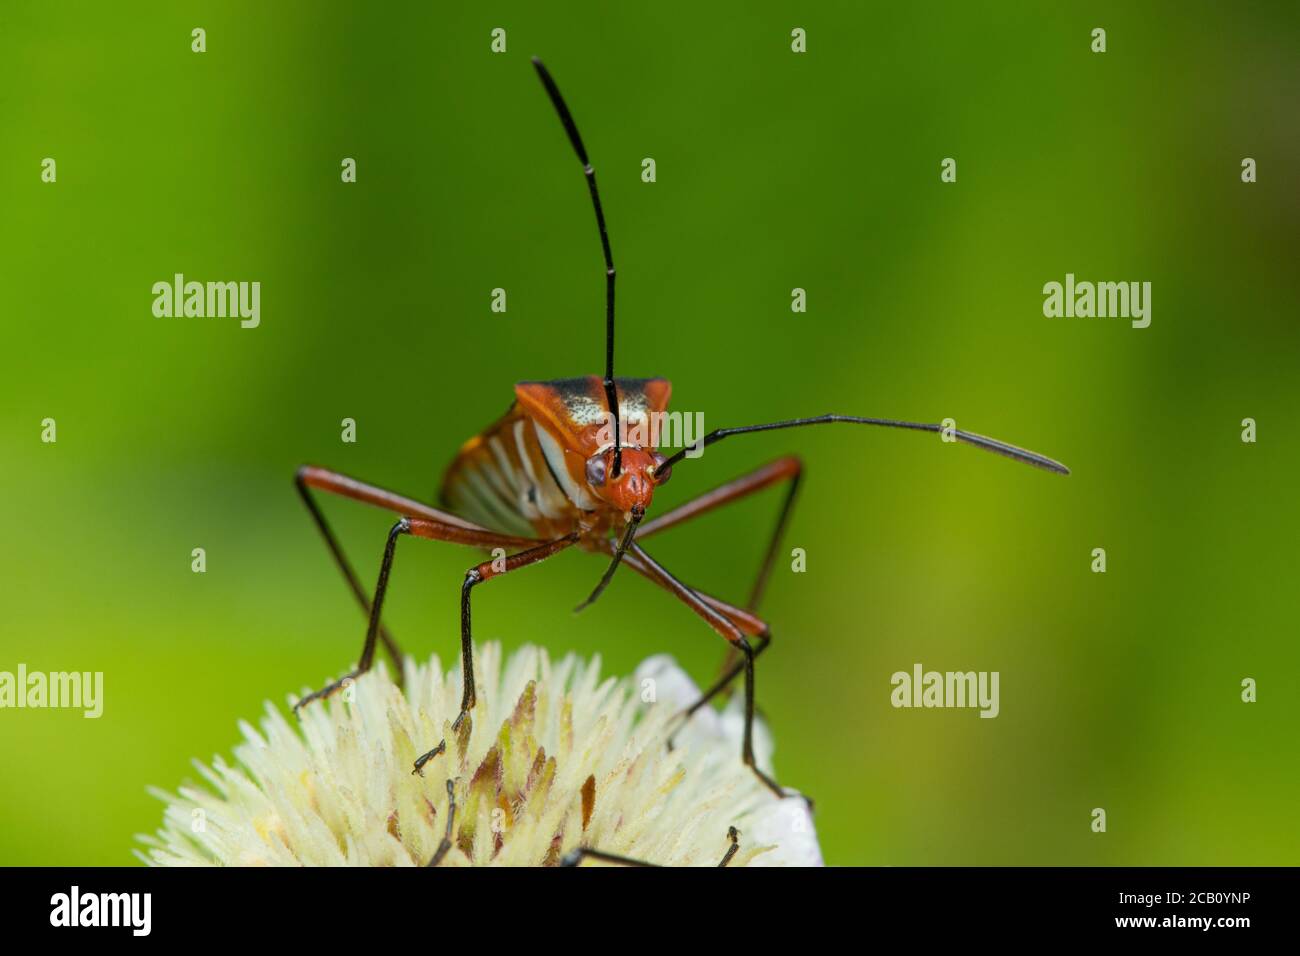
(775, 170)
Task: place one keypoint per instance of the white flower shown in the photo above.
(552, 759)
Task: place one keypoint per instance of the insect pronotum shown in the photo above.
(556, 472)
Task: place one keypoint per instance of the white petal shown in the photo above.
(788, 827)
(335, 788)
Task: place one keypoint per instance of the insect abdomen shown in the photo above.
(501, 480)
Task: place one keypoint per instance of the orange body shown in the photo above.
(544, 469)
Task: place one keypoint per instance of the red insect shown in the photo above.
(555, 473)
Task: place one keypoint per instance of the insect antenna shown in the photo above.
(623, 545)
(611, 393)
(969, 438)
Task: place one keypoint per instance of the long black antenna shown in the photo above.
(611, 393)
(969, 438)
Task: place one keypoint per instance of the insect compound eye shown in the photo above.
(596, 470)
(653, 469)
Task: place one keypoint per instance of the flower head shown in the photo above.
(551, 759)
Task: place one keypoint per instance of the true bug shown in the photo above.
(554, 473)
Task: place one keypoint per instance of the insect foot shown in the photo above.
(327, 690)
(426, 757)
(462, 727)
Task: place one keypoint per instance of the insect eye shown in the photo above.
(655, 474)
(596, 471)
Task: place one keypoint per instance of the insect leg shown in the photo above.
(445, 846)
(421, 520)
(752, 625)
(340, 559)
(733, 634)
(788, 469)
(734, 836)
(367, 658)
(583, 852)
(403, 526)
(474, 577)
(454, 528)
